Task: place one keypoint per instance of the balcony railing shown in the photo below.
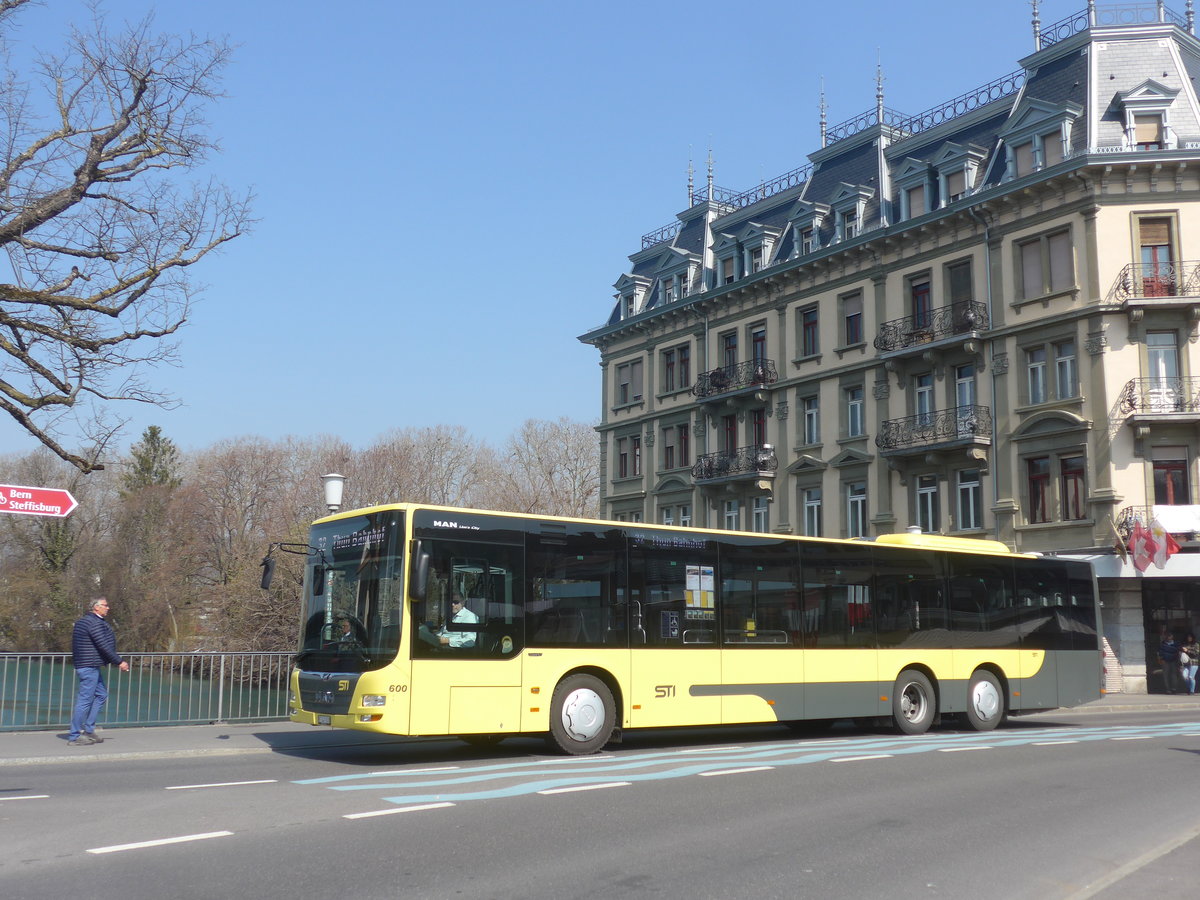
(1183, 522)
(1163, 279)
(740, 462)
(957, 318)
(961, 423)
(1160, 396)
(752, 373)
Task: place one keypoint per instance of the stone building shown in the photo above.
(980, 320)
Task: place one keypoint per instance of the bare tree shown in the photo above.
(98, 218)
(548, 467)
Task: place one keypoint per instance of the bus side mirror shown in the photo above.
(419, 576)
(268, 567)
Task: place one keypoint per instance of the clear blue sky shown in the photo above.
(447, 191)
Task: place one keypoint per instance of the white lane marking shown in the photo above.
(586, 787)
(188, 787)
(413, 771)
(1134, 737)
(1119, 873)
(116, 848)
(711, 750)
(737, 771)
(28, 797)
(961, 749)
(1052, 743)
(392, 812)
(860, 758)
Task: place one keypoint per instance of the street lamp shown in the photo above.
(333, 491)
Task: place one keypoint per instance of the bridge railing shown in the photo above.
(37, 690)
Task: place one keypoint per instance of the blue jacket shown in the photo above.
(93, 643)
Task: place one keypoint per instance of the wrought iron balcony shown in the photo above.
(960, 424)
(963, 317)
(1182, 522)
(739, 376)
(1150, 281)
(1160, 396)
(739, 463)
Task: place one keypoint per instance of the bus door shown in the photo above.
(675, 661)
(762, 657)
(841, 664)
(466, 639)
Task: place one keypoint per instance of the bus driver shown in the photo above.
(449, 637)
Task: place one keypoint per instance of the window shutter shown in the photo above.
(1052, 148)
(1024, 154)
(1147, 129)
(916, 201)
(1154, 232)
(1061, 271)
(1031, 269)
(956, 183)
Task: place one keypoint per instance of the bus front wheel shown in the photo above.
(914, 703)
(985, 701)
(582, 715)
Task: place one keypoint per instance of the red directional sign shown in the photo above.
(36, 501)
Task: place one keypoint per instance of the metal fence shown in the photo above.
(37, 690)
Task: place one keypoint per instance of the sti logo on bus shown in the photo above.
(442, 523)
(664, 690)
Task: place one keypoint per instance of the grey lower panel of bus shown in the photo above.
(1065, 679)
(327, 693)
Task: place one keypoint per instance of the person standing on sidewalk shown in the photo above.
(1189, 659)
(93, 646)
(1168, 655)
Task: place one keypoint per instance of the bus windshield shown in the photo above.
(353, 594)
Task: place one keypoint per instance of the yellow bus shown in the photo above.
(421, 620)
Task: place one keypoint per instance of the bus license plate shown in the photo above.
(322, 720)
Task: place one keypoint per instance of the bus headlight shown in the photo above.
(373, 700)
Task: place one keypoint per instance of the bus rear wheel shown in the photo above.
(914, 704)
(985, 701)
(582, 715)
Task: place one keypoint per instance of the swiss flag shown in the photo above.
(1142, 547)
(1165, 546)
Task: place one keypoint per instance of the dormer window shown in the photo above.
(916, 201)
(849, 223)
(914, 190)
(668, 290)
(1148, 132)
(627, 306)
(805, 240)
(956, 166)
(849, 207)
(756, 259)
(956, 186)
(1038, 135)
(727, 270)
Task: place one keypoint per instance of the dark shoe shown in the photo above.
(96, 739)
(82, 741)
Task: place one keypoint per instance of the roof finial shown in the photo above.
(1037, 26)
(878, 86)
(1091, 10)
(1191, 17)
(823, 119)
(710, 172)
(691, 179)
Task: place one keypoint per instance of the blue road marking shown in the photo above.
(532, 776)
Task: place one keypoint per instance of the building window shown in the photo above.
(1038, 470)
(1046, 264)
(758, 345)
(927, 504)
(759, 515)
(856, 509)
(668, 515)
(849, 222)
(921, 302)
(811, 501)
(683, 356)
(635, 453)
(668, 289)
(728, 271)
(1154, 244)
(733, 511)
(677, 368)
(959, 286)
(806, 241)
(756, 259)
(956, 185)
(685, 516)
(1052, 148)
(1148, 132)
(1035, 366)
(809, 333)
(1023, 159)
(758, 427)
(622, 457)
(970, 499)
(629, 456)
(629, 382)
(635, 516)
(1171, 476)
(1066, 375)
(1074, 488)
(923, 399)
(729, 349)
(669, 458)
(852, 319)
(668, 359)
(627, 305)
(812, 419)
(855, 419)
(916, 201)
(729, 433)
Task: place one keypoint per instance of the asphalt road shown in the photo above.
(1062, 806)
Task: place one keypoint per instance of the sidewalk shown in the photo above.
(39, 747)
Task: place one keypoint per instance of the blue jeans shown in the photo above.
(1189, 677)
(88, 701)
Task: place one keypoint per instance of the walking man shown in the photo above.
(93, 645)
